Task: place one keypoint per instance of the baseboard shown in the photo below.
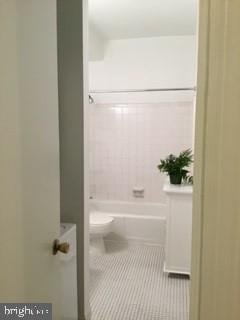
(175, 271)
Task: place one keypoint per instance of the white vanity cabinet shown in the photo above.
(179, 229)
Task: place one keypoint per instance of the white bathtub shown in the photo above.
(141, 222)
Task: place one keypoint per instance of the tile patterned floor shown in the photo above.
(128, 283)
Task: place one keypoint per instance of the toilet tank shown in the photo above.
(68, 266)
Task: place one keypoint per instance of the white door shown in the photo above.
(215, 289)
(29, 160)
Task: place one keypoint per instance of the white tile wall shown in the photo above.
(126, 143)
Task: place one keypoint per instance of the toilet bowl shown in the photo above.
(100, 226)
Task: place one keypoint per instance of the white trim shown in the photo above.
(86, 237)
(199, 151)
(175, 271)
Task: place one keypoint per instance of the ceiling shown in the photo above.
(122, 19)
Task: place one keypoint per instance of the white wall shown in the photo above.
(127, 143)
(145, 63)
(130, 133)
(73, 94)
(96, 44)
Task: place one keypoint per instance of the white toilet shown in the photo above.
(100, 226)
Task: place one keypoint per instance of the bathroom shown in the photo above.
(142, 80)
(75, 150)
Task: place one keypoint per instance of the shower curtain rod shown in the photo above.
(143, 90)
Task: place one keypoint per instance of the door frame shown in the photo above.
(199, 153)
(215, 264)
(86, 239)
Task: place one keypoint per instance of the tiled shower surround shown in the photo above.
(126, 143)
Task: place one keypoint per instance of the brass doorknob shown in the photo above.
(61, 247)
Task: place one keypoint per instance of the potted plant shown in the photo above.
(177, 167)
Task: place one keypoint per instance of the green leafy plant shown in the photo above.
(177, 167)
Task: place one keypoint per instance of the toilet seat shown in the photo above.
(99, 219)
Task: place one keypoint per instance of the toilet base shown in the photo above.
(97, 246)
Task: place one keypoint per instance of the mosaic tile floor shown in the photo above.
(128, 283)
